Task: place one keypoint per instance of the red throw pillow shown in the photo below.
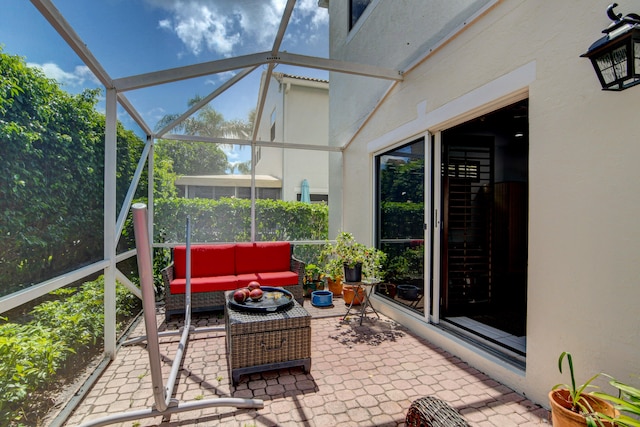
(206, 260)
(262, 256)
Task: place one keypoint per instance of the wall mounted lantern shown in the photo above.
(616, 56)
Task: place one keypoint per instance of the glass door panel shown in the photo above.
(400, 175)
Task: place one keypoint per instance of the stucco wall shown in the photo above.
(584, 232)
(302, 116)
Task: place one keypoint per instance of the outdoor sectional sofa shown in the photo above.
(218, 268)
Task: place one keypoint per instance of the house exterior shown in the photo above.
(496, 106)
(296, 111)
(236, 186)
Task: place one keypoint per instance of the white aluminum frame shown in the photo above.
(115, 88)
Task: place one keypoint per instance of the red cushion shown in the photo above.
(205, 284)
(262, 257)
(206, 260)
(277, 278)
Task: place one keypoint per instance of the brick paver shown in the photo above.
(360, 376)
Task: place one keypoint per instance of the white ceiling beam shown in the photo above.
(190, 71)
(129, 108)
(204, 101)
(212, 67)
(337, 66)
(262, 93)
(57, 21)
(236, 141)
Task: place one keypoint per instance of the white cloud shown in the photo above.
(229, 27)
(75, 78)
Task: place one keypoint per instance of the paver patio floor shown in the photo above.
(360, 376)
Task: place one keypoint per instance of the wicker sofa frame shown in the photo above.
(215, 301)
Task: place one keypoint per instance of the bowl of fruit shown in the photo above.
(260, 299)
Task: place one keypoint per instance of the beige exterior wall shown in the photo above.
(584, 217)
(302, 117)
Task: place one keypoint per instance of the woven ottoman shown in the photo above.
(432, 412)
(259, 342)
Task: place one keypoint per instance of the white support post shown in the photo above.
(150, 186)
(436, 228)
(110, 147)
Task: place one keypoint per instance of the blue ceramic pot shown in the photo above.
(322, 298)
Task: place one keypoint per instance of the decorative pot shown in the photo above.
(335, 286)
(408, 292)
(387, 289)
(322, 298)
(309, 287)
(563, 416)
(349, 294)
(353, 274)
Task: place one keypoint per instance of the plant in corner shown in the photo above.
(312, 280)
(626, 402)
(571, 405)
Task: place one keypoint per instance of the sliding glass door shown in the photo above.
(400, 220)
(452, 217)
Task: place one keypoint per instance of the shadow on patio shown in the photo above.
(360, 376)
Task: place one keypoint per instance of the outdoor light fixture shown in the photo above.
(616, 56)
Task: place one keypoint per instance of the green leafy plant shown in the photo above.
(627, 402)
(32, 353)
(312, 272)
(333, 269)
(346, 251)
(372, 267)
(577, 402)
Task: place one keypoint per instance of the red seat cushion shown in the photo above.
(206, 260)
(271, 278)
(262, 257)
(205, 284)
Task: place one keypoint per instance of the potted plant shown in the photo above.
(352, 256)
(333, 272)
(312, 280)
(572, 406)
(397, 270)
(346, 254)
(626, 402)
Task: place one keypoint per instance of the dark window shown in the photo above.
(224, 192)
(243, 192)
(315, 198)
(356, 9)
(273, 125)
(200, 191)
(269, 193)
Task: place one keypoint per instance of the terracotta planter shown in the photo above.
(563, 416)
(335, 286)
(349, 294)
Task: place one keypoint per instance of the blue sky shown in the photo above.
(130, 37)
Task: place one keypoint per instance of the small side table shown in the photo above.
(266, 341)
(368, 286)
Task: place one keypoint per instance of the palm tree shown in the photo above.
(210, 123)
(204, 157)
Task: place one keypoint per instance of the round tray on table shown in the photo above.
(273, 299)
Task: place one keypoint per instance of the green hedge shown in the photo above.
(229, 220)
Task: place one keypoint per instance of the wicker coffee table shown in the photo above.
(259, 342)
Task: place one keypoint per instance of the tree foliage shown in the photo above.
(203, 158)
(192, 158)
(51, 175)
